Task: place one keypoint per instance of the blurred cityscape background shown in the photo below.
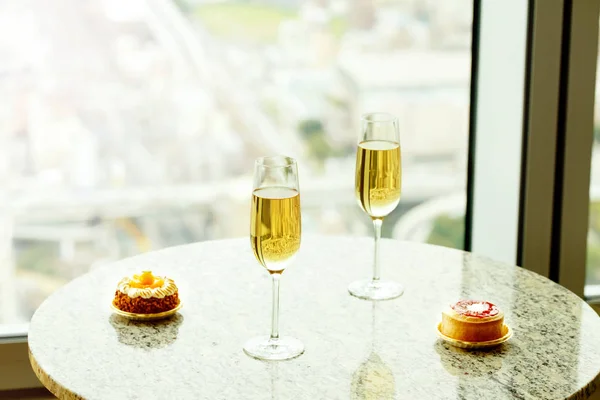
(127, 127)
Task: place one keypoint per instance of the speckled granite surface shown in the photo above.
(354, 349)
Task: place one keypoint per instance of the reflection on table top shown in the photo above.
(354, 349)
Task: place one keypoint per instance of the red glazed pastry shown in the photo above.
(472, 321)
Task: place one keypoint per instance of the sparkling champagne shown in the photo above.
(275, 226)
(378, 177)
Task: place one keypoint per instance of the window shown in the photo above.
(128, 127)
(592, 281)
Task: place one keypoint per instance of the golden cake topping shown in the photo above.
(147, 285)
(146, 280)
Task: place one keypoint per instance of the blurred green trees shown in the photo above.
(448, 231)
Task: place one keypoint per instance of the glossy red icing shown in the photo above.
(475, 308)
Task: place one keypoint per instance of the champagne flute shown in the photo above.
(275, 229)
(377, 187)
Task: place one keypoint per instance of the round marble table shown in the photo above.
(355, 349)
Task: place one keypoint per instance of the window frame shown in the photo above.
(498, 84)
(15, 369)
(548, 234)
(576, 126)
(539, 136)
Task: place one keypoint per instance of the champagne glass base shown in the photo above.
(369, 289)
(265, 348)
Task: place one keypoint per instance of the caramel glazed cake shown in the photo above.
(473, 321)
(146, 294)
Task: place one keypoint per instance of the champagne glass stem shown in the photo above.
(275, 314)
(377, 222)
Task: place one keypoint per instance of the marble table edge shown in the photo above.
(62, 392)
(587, 390)
(53, 386)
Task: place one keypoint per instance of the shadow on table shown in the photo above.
(473, 368)
(147, 335)
(273, 368)
(469, 363)
(373, 379)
